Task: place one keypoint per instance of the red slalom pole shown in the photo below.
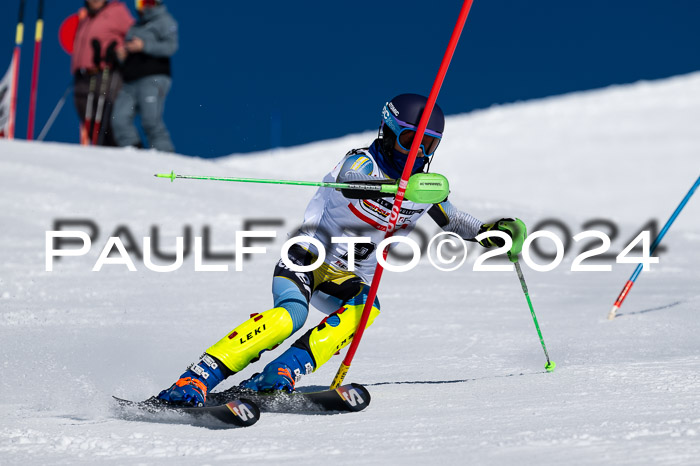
(19, 35)
(38, 34)
(403, 183)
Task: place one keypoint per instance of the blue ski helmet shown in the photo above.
(400, 118)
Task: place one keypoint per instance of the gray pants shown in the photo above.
(145, 96)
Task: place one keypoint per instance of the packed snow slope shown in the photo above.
(454, 363)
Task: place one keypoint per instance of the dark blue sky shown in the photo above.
(252, 75)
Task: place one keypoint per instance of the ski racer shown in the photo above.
(332, 288)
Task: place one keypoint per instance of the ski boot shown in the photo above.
(283, 373)
(313, 349)
(229, 355)
(192, 387)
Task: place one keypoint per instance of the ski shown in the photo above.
(239, 412)
(347, 398)
(240, 407)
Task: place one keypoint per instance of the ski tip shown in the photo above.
(355, 396)
(245, 411)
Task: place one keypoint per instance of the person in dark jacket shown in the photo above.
(145, 60)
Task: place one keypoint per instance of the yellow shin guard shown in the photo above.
(260, 333)
(325, 340)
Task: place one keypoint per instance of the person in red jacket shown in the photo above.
(101, 30)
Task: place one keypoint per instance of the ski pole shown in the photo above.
(19, 36)
(423, 188)
(398, 200)
(111, 60)
(626, 289)
(38, 34)
(57, 109)
(550, 365)
(104, 129)
(87, 125)
(86, 131)
(104, 85)
(384, 188)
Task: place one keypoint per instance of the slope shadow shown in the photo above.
(434, 382)
(660, 308)
(78, 420)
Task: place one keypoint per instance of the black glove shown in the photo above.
(111, 59)
(96, 53)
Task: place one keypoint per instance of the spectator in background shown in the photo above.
(145, 59)
(101, 22)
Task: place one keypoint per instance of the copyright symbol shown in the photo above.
(453, 241)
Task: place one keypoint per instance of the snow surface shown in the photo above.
(454, 364)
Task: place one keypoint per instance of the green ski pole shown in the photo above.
(384, 188)
(550, 365)
(423, 188)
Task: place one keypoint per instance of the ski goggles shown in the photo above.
(406, 132)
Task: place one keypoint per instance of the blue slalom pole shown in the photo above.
(659, 237)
